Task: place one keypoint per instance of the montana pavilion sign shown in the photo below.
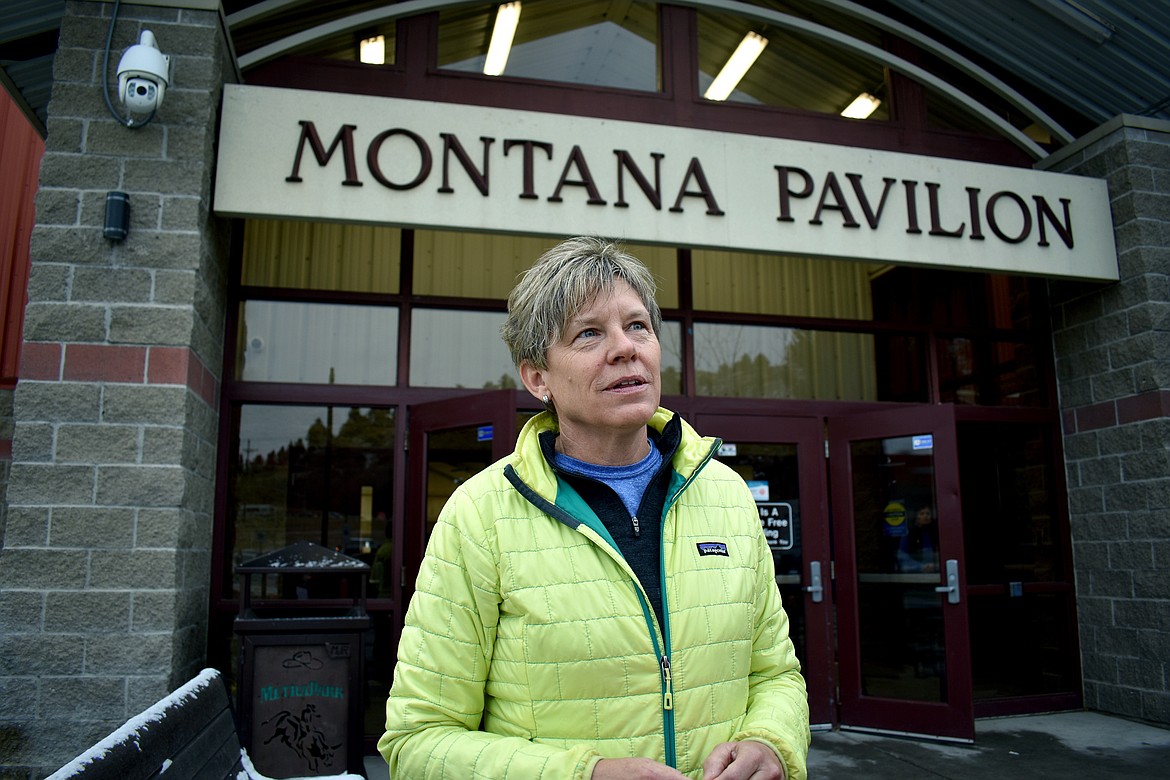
(294, 154)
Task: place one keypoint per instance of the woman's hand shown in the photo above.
(743, 760)
(634, 769)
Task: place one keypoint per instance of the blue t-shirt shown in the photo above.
(629, 482)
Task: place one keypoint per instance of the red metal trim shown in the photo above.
(21, 148)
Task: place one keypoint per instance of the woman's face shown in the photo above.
(603, 373)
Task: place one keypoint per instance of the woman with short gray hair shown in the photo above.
(560, 283)
(602, 602)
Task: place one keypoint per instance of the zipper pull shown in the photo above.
(637, 526)
(668, 694)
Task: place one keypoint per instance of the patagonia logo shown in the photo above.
(712, 548)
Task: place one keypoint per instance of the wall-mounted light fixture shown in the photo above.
(744, 56)
(507, 18)
(372, 51)
(862, 106)
(117, 225)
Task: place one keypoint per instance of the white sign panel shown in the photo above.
(326, 156)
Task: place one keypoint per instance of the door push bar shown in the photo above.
(815, 587)
(952, 586)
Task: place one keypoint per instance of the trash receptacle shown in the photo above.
(301, 675)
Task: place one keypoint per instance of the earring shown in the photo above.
(545, 399)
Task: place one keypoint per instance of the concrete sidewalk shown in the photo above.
(1058, 746)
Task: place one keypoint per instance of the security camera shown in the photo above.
(143, 75)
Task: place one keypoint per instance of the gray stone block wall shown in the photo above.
(106, 546)
(6, 425)
(1113, 365)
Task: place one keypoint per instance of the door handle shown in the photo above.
(815, 587)
(952, 586)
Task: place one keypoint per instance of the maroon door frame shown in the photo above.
(953, 718)
(807, 433)
(496, 408)
(832, 668)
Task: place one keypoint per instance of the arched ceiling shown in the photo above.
(1077, 62)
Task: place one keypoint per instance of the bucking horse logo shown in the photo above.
(301, 735)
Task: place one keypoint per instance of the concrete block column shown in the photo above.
(6, 426)
(105, 558)
(1113, 364)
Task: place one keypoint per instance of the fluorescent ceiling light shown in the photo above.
(507, 17)
(372, 51)
(741, 59)
(862, 106)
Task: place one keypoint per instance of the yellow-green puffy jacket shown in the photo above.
(527, 617)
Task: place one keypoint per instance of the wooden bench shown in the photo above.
(189, 735)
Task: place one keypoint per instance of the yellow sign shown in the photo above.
(895, 516)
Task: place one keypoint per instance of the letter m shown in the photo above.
(344, 137)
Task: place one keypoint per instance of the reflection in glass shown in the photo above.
(321, 255)
(471, 265)
(1011, 527)
(956, 299)
(900, 365)
(896, 542)
(451, 348)
(478, 265)
(765, 362)
(771, 472)
(453, 456)
(784, 285)
(598, 43)
(342, 45)
(454, 348)
(796, 70)
(323, 343)
(310, 473)
(670, 345)
(381, 648)
(999, 373)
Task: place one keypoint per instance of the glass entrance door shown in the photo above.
(448, 442)
(902, 614)
(782, 459)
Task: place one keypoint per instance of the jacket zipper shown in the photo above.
(664, 653)
(668, 688)
(667, 681)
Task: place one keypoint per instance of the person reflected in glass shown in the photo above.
(601, 603)
(918, 553)
(383, 568)
(918, 549)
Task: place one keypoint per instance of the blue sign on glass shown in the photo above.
(483, 433)
(924, 442)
